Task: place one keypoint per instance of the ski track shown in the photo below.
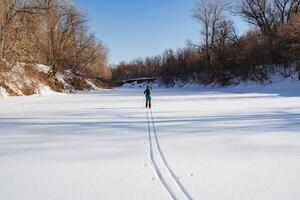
(155, 166)
(165, 178)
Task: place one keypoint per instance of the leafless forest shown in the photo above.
(50, 32)
(54, 33)
(223, 57)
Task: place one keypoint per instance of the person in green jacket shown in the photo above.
(147, 92)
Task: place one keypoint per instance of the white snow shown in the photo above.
(44, 90)
(60, 77)
(3, 92)
(94, 87)
(42, 68)
(238, 143)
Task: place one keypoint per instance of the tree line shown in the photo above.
(51, 32)
(272, 45)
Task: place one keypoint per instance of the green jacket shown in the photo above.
(148, 91)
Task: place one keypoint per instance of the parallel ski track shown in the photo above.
(163, 177)
(155, 166)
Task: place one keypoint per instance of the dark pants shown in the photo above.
(148, 102)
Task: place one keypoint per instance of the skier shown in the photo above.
(147, 92)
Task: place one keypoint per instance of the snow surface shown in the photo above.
(44, 90)
(3, 92)
(42, 68)
(94, 87)
(240, 143)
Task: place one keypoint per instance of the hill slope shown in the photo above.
(27, 80)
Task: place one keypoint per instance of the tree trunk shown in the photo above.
(284, 67)
(298, 69)
(53, 70)
(1, 42)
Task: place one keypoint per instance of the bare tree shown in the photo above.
(269, 15)
(61, 21)
(259, 13)
(210, 14)
(285, 9)
(289, 42)
(9, 10)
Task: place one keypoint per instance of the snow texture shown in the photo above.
(42, 68)
(235, 143)
(3, 92)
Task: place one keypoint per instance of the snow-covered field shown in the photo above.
(210, 144)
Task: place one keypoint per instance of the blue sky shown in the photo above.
(139, 28)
